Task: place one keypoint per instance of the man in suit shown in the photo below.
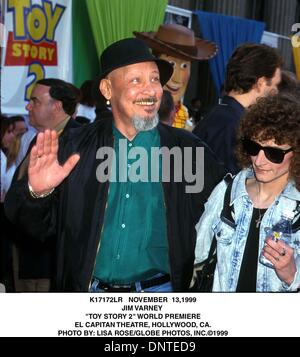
(51, 106)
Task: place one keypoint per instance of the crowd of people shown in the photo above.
(88, 206)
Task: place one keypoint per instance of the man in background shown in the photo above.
(51, 106)
(20, 127)
(253, 71)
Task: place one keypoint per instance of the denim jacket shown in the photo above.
(231, 239)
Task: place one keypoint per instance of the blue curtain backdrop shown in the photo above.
(227, 32)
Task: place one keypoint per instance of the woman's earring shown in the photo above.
(108, 102)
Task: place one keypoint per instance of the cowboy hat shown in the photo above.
(178, 41)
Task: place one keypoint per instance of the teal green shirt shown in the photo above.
(133, 244)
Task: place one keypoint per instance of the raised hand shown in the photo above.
(44, 171)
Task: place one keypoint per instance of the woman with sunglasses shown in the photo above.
(269, 152)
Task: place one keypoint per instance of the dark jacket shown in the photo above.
(36, 258)
(218, 130)
(75, 212)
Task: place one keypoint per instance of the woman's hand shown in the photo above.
(282, 257)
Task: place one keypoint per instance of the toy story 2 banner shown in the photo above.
(36, 43)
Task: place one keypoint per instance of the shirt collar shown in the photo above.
(233, 103)
(60, 126)
(239, 187)
(140, 137)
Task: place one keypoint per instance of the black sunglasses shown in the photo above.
(274, 155)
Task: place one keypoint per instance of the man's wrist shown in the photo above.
(39, 195)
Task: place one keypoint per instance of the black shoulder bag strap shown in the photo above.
(228, 211)
(296, 225)
(226, 214)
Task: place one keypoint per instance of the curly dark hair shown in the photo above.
(272, 118)
(248, 63)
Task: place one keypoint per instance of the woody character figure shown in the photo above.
(178, 45)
